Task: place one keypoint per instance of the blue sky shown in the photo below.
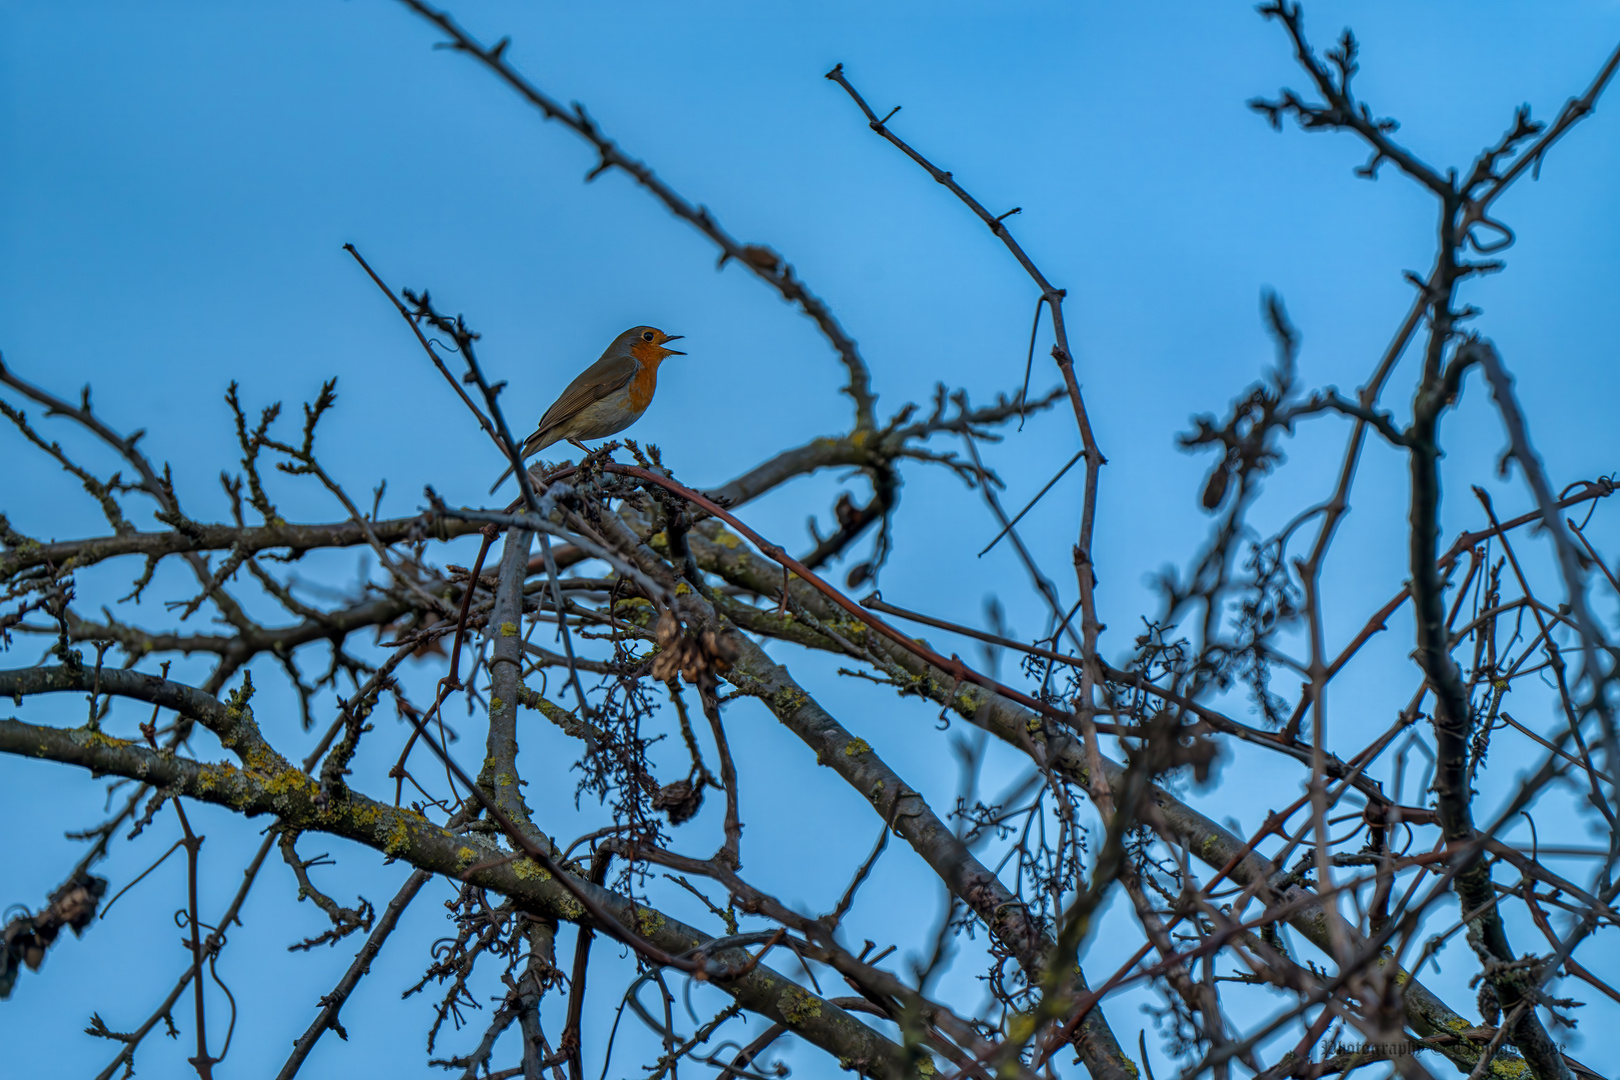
(177, 180)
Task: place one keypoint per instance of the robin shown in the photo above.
(608, 396)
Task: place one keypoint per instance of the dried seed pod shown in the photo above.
(665, 666)
(697, 658)
(679, 801)
(668, 635)
(721, 649)
(668, 630)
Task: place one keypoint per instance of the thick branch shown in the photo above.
(232, 723)
(854, 759)
(1179, 824)
(499, 777)
(295, 539)
(408, 836)
(754, 673)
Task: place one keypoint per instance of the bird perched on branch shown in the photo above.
(608, 396)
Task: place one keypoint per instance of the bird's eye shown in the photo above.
(647, 336)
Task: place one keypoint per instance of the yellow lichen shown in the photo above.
(96, 738)
(211, 776)
(789, 699)
(365, 816)
(529, 870)
(285, 780)
(649, 921)
(970, 700)
(797, 1006)
(857, 745)
(399, 839)
(853, 629)
(509, 629)
(727, 540)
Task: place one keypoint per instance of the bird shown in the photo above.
(608, 396)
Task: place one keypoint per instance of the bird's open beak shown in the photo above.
(665, 344)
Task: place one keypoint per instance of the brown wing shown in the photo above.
(595, 383)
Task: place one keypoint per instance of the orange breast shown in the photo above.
(642, 386)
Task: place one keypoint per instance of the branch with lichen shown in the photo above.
(288, 540)
(406, 835)
(722, 553)
(499, 777)
(902, 806)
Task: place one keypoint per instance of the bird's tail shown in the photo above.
(533, 444)
(500, 480)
